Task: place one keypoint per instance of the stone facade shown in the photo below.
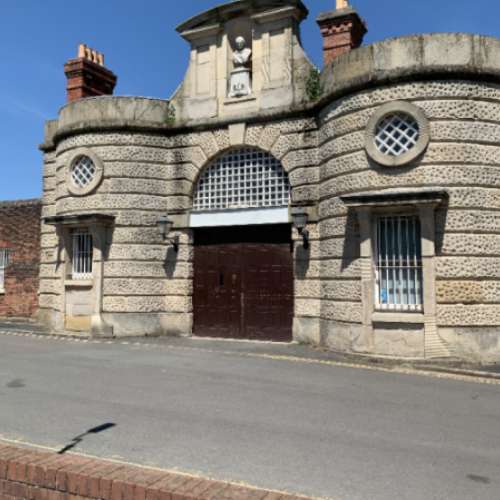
(153, 153)
(20, 237)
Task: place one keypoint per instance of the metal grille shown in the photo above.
(398, 263)
(244, 178)
(83, 172)
(396, 134)
(82, 255)
(4, 262)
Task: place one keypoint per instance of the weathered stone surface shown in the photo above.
(350, 312)
(307, 307)
(428, 175)
(50, 286)
(307, 175)
(472, 315)
(341, 290)
(308, 289)
(155, 171)
(190, 154)
(103, 203)
(150, 304)
(403, 341)
(471, 244)
(470, 221)
(338, 226)
(468, 292)
(340, 247)
(468, 267)
(147, 287)
(147, 252)
(133, 269)
(291, 142)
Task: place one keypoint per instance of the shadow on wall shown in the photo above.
(78, 439)
(351, 246)
(441, 216)
(302, 259)
(170, 262)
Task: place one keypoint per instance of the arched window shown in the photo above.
(242, 178)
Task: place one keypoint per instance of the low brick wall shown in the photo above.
(36, 475)
(20, 234)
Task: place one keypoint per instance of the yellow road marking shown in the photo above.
(474, 377)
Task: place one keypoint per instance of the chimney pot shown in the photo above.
(87, 76)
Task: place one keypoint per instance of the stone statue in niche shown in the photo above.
(240, 82)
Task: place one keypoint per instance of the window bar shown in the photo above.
(399, 262)
(378, 267)
(404, 245)
(391, 256)
(386, 263)
(418, 258)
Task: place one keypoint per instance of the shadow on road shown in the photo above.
(78, 439)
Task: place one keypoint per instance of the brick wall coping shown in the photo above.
(30, 474)
(20, 203)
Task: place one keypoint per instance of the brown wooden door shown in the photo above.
(243, 283)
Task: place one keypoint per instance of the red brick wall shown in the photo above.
(20, 233)
(35, 475)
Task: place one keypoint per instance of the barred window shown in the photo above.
(243, 178)
(83, 172)
(396, 134)
(4, 262)
(398, 263)
(82, 254)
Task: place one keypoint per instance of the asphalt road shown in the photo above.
(310, 428)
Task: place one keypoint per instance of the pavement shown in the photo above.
(275, 416)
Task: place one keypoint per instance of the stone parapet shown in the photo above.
(417, 57)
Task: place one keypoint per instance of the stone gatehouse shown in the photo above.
(356, 207)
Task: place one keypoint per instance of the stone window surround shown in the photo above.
(99, 226)
(422, 202)
(98, 176)
(394, 108)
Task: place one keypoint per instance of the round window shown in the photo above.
(397, 134)
(85, 172)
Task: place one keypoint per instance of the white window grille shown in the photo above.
(398, 264)
(82, 255)
(83, 172)
(396, 134)
(4, 262)
(243, 178)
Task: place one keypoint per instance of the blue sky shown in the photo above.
(142, 47)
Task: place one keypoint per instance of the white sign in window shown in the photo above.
(398, 263)
(4, 262)
(82, 255)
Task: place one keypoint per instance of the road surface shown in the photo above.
(305, 426)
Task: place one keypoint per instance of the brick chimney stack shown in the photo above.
(342, 30)
(87, 76)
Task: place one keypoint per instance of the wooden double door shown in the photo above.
(243, 282)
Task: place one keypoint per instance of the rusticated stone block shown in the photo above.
(468, 292)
